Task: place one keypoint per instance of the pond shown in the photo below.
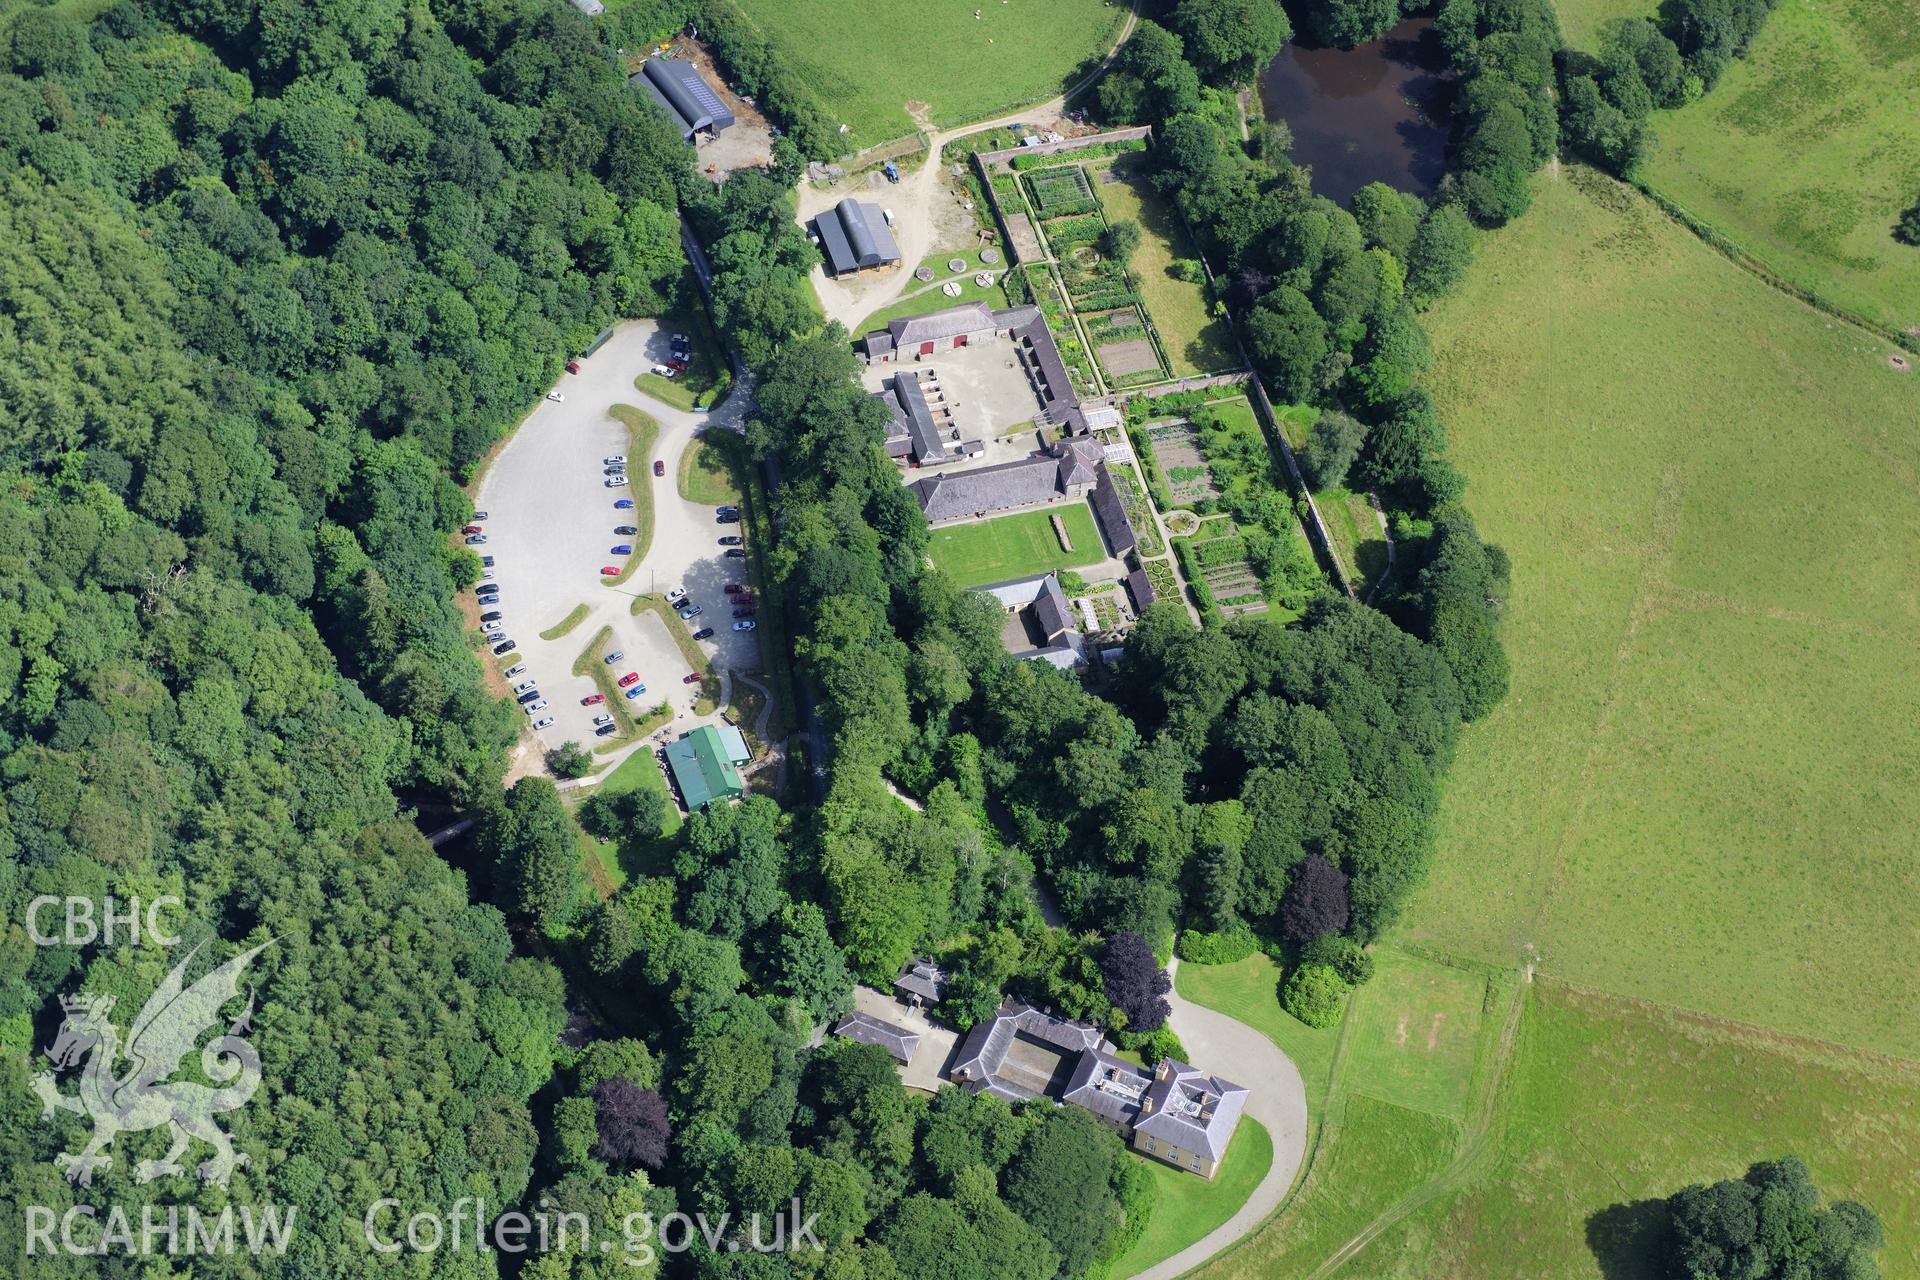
(1372, 113)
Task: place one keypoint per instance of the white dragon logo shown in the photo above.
(145, 1097)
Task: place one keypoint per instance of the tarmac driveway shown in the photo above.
(550, 526)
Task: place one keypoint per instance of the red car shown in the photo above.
(609, 570)
(573, 366)
(593, 699)
(472, 528)
(735, 586)
(629, 678)
(692, 677)
(659, 467)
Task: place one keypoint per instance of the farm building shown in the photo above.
(705, 764)
(920, 425)
(855, 237)
(1040, 622)
(968, 324)
(864, 1028)
(689, 101)
(1066, 473)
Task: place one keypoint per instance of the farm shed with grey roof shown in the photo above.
(922, 980)
(867, 1029)
(689, 101)
(855, 237)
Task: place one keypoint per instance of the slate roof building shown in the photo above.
(920, 426)
(1067, 472)
(690, 102)
(921, 982)
(1187, 1117)
(855, 237)
(1042, 603)
(705, 765)
(867, 1029)
(1176, 1114)
(1140, 587)
(965, 325)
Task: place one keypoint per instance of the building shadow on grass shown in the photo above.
(1629, 1241)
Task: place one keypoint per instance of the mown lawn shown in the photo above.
(1250, 991)
(1017, 546)
(1186, 1207)
(1806, 152)
(1197, 342)
(866, 60)
(1581, 20)
(706, 475)
(1700, 791)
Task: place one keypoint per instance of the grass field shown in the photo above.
(1806, 152)
(1700, 791)
(1612, 1104)
(866, 60)
(1185, 1208)
(1196, 341)
(1581, 20)
(1017, 546)
(1693, 809)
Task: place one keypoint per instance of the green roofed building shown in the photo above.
(705, 764)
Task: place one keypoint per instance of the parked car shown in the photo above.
(728, 510)
(593, 699)
(625, 530)
(603, 718)
(544, 722)
(659, 467)
(680, 342)
(531, 695)
(661, 370)
(486, 600)
(736, 553)
(614, 471)
(486, 575)
(677, 363)
(486, 562)
(573, 366)
(472, 528)
(743, 613)
(479, 515)
(691, 612)
(635, 692)
(615, 459)
(620, 549)
(556, 397)
(525, 686)
(692, 677)
(495, 625)
(677, 593)
(609, 570)
(613, 657)
(726, 519)
(517, 669)
(736, 586)
(605, 730)
(703, 633)
(505, 646)
(631, 677)
(730, 540)
(534, 708)
(748, 625)
(623, 504)
(614, 482)
(490, 617)
(476, 539)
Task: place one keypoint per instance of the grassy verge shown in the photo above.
(627, 726)
(706, 473)
(706, 380)
(565, 624)
(929, 297)
(1186, 1208)
(1017, 546)
(642, 434)
(776, 657)
(708, 700)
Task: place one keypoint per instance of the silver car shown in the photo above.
(525, 686)
(544, 722)
(533, 708)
